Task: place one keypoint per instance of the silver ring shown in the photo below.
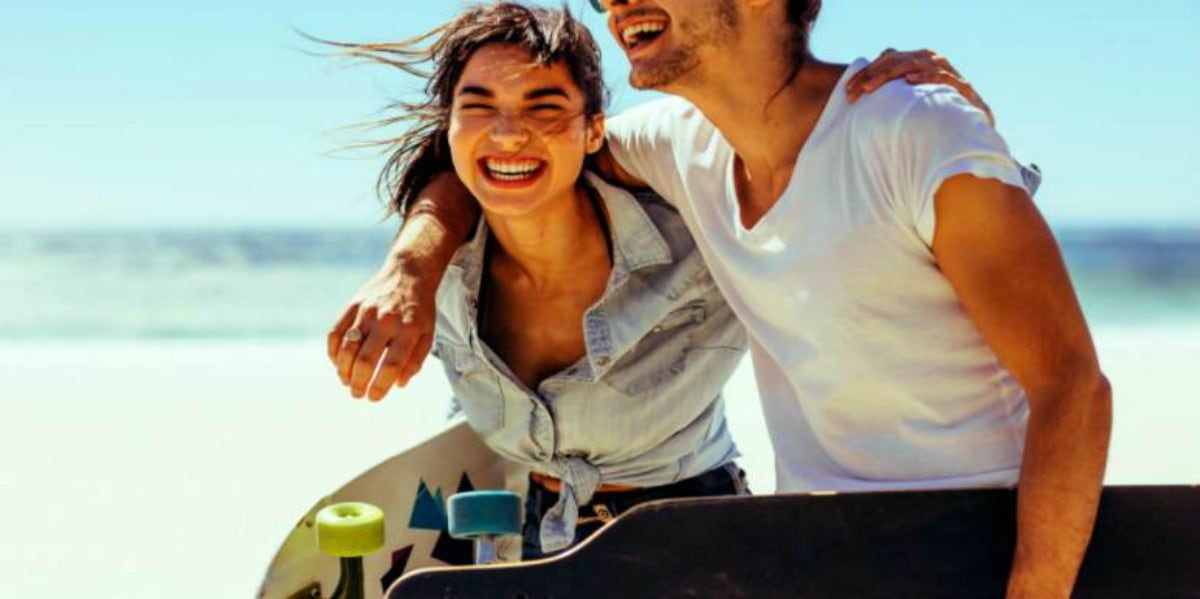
(353, 335)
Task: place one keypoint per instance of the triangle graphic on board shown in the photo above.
(464, 484)
(429, 511)
(399, 563)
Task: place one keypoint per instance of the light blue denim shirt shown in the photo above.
(643, 406)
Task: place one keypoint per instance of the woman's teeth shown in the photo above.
(642, 32)
(512, 170)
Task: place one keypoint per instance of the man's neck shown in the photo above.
(764, 116)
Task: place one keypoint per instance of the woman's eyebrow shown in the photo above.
(475, 90)
(543, 92)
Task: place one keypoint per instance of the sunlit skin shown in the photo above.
(392, 308)
(668, 41)
(990, 243)
(518, 138)
(508, 110)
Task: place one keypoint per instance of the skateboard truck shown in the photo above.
(350, 531)
(484, 517)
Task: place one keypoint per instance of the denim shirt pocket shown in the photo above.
(660, 354)
(474, 386)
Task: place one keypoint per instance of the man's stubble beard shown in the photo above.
(720, 27)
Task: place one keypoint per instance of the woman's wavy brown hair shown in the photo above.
(439, 56)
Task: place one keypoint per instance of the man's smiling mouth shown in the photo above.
(642, 32)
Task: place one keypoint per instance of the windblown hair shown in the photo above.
(422, 151)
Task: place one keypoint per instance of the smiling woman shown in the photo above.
(422, 150)
(519, 132)
(579, 328)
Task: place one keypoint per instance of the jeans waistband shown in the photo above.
(722, 480)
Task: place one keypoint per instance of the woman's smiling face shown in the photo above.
(518, 130)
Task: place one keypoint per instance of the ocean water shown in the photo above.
(291, 284)
(179, 378)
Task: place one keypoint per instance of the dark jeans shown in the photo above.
(723, 480)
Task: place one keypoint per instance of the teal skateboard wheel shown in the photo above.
(350, 529)
(484, 514)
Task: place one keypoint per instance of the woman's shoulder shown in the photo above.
(639, 213)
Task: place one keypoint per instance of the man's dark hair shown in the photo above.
(802, 14)
(550, 35)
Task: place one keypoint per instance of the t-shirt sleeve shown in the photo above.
(940, 136)
(642, 140)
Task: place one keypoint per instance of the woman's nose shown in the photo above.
(509, 132)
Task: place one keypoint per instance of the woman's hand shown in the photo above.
(919, 66)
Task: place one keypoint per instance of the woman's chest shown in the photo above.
(535, 336)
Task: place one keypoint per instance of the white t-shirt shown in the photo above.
(872, 375)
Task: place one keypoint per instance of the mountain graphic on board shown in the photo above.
(429, 509)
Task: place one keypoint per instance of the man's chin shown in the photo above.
(649, 79)
(641, 83)
(661, 74)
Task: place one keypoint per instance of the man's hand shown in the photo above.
(392, 317)
(383, 336)
(920, 66)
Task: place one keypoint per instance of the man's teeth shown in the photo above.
(634, 33)
(512, 169)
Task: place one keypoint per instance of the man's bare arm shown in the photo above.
(395, 309)
(998, 254)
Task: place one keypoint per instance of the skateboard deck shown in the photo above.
(411, 488)
(879, 545)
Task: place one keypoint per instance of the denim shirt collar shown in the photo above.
(637, 243)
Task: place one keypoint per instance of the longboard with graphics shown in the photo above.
(411, 487)
(874, 545)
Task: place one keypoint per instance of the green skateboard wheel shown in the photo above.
(484, 513)
(350, 529)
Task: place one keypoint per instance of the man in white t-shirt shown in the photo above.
(912, 323)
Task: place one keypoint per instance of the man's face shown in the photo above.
(667, 40)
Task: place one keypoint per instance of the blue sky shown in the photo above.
(208, 114)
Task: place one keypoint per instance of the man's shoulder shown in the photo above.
(898, 105)
(665, 105)
(667, 114)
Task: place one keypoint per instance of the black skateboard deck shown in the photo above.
(878, 545)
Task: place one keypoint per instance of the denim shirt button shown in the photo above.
(602, 361)
(656, 329)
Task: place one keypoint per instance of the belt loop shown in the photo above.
(738, 476)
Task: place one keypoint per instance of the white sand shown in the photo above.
(171, 469)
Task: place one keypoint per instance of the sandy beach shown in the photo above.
(155, 469)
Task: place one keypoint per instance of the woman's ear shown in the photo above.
(595, 133)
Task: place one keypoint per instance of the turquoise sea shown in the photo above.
(178, 378)
(289, 284)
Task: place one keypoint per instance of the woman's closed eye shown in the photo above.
(476, 108)
(546, 110)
